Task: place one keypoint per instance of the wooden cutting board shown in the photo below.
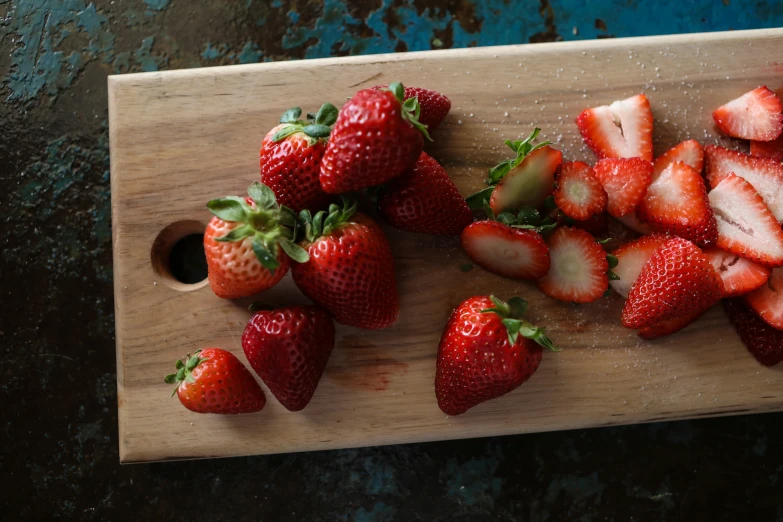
(180, 138)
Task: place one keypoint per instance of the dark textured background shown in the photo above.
(58, 456)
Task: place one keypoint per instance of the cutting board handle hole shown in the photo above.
(178, 256)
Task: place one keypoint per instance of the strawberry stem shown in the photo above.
(325, 222)
(511, 314)
(411, 109)
(184, 370)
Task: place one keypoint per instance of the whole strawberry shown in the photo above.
(351, 269)
(249, 243)
(425, 200)
(486, 351)
(377, 137)
(288, 348)
(215, 381)
(434, 105)
(291, 158)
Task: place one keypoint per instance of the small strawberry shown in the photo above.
(578, 192)
(739, 275)
(625, 181)
(669, 326)
(249, 243)
(288, 348)
(768, 149)
(767, 301)
(510, 252)
(486, 350)
(351, 268)
(688, 152)
(631, 258)
(746, 226)
(620, 130)
(434, 105)
(756, 115)
(377, 137)
(677, 281)
(763, 342)
(425, 200)
(215, 381)
(291, 158)
(579, 267)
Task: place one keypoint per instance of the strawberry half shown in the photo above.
(506, 251)
(669, 326)
(688, 152)
(756, 115)
(527, 183)
(434, 105)
(625, 181)
(768, 149)
(578, 192)
(763, 342)
(620, 130)
(766, 175)
(745, 225)
(739, 275)
(578, 271)
(767, 301)
(678, 280)
(631, 258)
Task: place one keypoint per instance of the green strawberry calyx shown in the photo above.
(511, 313)
(267, 224)
(184, 370)
(411, 108)
(317, 126)
(325, 222)
(526, 218)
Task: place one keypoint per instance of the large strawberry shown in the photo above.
(487, 350)
(291, 158)
(249, 243)
(434, 105)
(377, 137)
(351, 269)
(425, 200)
(288, 348)
(213, 380)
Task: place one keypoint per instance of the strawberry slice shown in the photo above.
(579, 266)
(620, 130)
(678, 280)
(506, 251)
(763, 342)
(745, 225)
(739, 275)
(767, 301)
(529, 183)
(632, 221)
(625, 181)
(578, 192)
(688, 152)
(768, 149)
(756, 115)
(631, 258)
(669, 326)
(676, 203)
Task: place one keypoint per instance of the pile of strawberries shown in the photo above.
(541, 219)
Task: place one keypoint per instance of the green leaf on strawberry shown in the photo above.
(511, 313)
(318, 126)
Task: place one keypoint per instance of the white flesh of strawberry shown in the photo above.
(628, 269)
(632, 221)
(529, 183)
(505, 257)
(616, 123)
(570, 270)
(766, 182)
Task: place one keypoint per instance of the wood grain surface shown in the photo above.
(181, 138)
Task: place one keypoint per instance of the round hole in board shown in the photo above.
(178, 256)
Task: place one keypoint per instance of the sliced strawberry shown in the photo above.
(763, 342)
(579, 266)
(631, 258)
(739, 275)
(669, 326)
(579, 194)
(632, 221)
(766, 175)
(768, 149)
(529, 183)
(767, 301)
(620, 130)
(625, 181)
(688, 152)
(677, 280)
(676, 203)
(745, 225)
(756, 115)
(506, 251)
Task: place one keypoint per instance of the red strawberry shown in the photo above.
(631, 258)
(688, 152)
(766, 175)
(678, 280)
(434, 105)
(625, 182)
(767, 301)
(215, 381)
(527, 183)
(632, 221)
(768, 149)
(739, 275)
(620, 130)
(596, 225)
(248, 243)
(579, 267)
(486, 350)
(745, 225)
(756, 115)
(676, 203)
(579, 194)
(351, 269)
(288, 348)
(506, 251)
(377, 137)
(763, 342)
(669, 326)
(425, 200)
